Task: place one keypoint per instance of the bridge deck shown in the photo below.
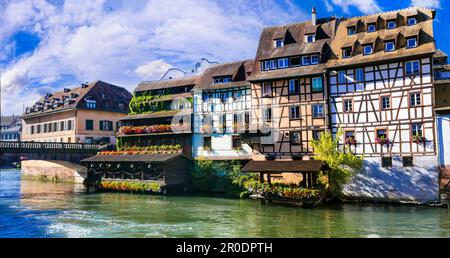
(55, 147)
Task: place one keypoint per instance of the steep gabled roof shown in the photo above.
(239, 72)
(170, 83)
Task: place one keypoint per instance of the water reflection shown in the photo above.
(37, 209)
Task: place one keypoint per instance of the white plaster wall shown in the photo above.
(409, 184)
(443, 137)
(221, 146)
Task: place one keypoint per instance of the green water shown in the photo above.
(37, 209)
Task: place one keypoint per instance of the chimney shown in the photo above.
(313, 16)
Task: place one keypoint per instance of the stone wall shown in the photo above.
(419, 184)
(53, 170)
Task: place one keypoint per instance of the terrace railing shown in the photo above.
(43, 147)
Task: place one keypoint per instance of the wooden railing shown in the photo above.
(37, 147)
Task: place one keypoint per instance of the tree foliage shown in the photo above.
(342, 162)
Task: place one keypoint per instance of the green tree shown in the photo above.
(342, 162)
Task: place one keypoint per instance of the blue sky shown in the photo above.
(47, 45)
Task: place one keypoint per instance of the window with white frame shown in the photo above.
(411, 42)
(317, 111)
(310, 38)
(91, 103)
(385, 102)
(412, 67)
(414, 99)
(412, 21)
(389, 46)
(267, 114)
(283, 62)
(306, 60)
(278, 43)
(314, 59)
(267, 89)
(346, 52)
(317, 84)
(359, 74)
(391, 24)
(416, 130)
(294, 112)
(265, 65)
(348, 105)
(371, 27)
(273, 64)
(368, 49)
(351, 30)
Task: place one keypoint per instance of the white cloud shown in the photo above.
(364, 6)
(434, 4)
(153, 70)
(122, 41)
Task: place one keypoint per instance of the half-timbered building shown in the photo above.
(289, 107)
(222, 105)
(381, 96)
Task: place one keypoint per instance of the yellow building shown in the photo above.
(86, 114)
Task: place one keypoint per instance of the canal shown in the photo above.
(39, 209)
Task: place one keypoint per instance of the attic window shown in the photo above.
(346, 52)
(411, 42)
(412, 21)
(371, 27)
(391, 25)
(91, 103)
(368, 49)
(311, 38)
(279, 43)
(222, 79)
(351, 30)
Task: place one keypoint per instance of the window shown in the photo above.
(349, 135)
(314, 59)
(236, 141)
(38, 129)
(267, 89)
(61, 126)
(32, 129)
(411, 43)
(316, 134)
(391, 25)
(317, 84)
(106, 125)
(295, 61)
(389, 46)
(103, 95)
(346, 52)
(295, 138)
(385, 102)
(89, 124)
(294, 112)
(207, 142)
(49, 127)
(348, 105)
(89, 140)
(267, 114)
(408, 162)
(55, 126)
(45, 128)
(359, 74)
(279, 43)
(310, 38)
(264, 66)
(351, 30)
(227, 79)
(273, 64)
(293, 87)
(371, 28)
(381, 133)
(306, 60)
(368, 49)
(412, 21)
(342, 77)
(416, 130)
(386, 162)
(412, 67)
(91, 103)
(283, 62)
(414, 99)
(317, 110)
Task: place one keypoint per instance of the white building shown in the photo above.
(222, 102)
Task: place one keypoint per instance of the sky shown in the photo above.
(47, 45)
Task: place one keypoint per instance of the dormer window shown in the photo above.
(264, 66)
(91, 103)
(371, 27)
(279, 43)
(283, 63)
(389, 46)
(368, 49)
(222, 79)
(315, 59)
(411, 42)
(311, 38)
(412, 21)
(351, 30)
(306, 60)
(391, 25)
(273, 64)
(226, 79)
(346, 52)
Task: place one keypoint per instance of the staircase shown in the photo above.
(445, 185)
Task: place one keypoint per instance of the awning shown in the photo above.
(274, 166)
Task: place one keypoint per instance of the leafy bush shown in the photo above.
(130, 186)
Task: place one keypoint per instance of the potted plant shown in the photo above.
(350, 140)
(382, 140)
(418, 138)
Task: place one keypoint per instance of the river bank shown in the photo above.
(46, 209)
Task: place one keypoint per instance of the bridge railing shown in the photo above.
(46, 146)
